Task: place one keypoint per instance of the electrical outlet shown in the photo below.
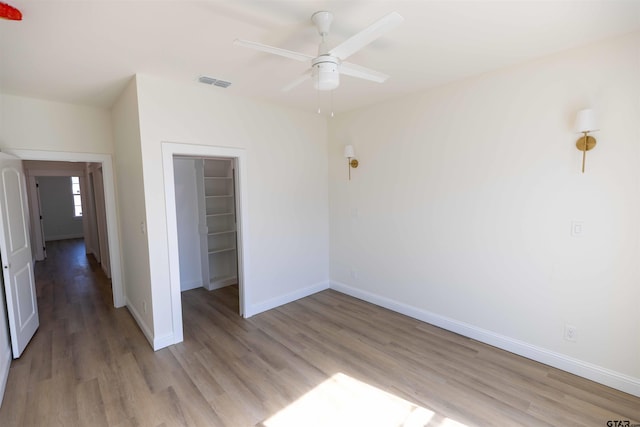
(354, 273)
(570, 333)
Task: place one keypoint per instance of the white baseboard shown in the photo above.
(165, 341)
(187, 286)
(254, 309)
(5, 364)
(219, 284)
(578, 367)
(156, 342)
(107, 271)
(64, 237)
(141, 324)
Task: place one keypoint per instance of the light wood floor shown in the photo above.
(327, 359)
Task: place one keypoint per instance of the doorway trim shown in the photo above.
(110, 205)
(169, 150)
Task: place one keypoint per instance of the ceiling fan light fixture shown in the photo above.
(326, 75)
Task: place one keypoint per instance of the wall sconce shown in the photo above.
(585, 123)
(349, 153)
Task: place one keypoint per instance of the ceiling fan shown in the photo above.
(326, 68)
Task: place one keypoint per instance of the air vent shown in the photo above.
(206, 80)
(222, 83)
(212, 81)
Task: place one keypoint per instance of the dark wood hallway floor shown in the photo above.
(325, 360)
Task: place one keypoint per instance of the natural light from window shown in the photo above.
(345, 401)
(77, 198)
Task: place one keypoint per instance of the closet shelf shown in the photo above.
(217, 251)
(220, 214)
(217, 233)
(217, 225)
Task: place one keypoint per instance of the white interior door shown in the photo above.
(15, 252)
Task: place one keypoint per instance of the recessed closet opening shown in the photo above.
(207, 211)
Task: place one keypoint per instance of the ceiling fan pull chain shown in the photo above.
(318, 93)
(332, 103)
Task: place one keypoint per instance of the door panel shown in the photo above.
(15, 252)
(24, 296)
(15, 213)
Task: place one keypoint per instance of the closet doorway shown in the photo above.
(207, 222)
(225, 243)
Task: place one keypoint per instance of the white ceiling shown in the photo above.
(84, 52)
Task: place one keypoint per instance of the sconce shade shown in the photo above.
(586, 121)
(349, 152)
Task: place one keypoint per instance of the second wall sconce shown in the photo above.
(350, 154)
(585, 123)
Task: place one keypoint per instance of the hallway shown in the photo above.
(80, 334)
(89, 364)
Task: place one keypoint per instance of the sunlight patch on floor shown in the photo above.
(344, 401)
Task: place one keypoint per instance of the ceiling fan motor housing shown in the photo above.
(325, 75)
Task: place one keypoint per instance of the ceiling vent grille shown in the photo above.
(221, 83)
(212, 81)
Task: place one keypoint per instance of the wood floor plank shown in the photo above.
(89, 364)
(16, 394)
(117, 411)
(90, 405)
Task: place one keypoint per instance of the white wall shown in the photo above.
(461, 209)
(131, 209)
(35, 124)
(184, 173)
(286, 186)
(56, 201)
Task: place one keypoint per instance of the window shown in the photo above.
(77, 199)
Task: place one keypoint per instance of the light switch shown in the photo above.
(577, 228)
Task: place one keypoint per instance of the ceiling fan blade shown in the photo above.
(353, 70)
(274, 50)
(366, 36)
(304, 77)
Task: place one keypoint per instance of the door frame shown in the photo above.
(169, 150)
(48, 170)
(92, 222)
(110, 205)
(35, 207)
